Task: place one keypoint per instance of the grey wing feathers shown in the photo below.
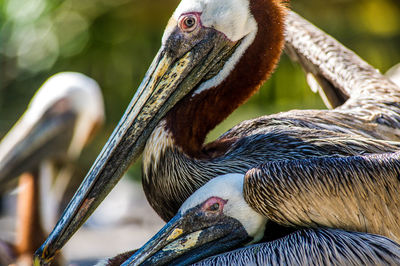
(357, 193)
(331, 96)
(340, 73)
(315, 247)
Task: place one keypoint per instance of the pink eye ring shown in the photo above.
(188, 23)
(214, 205)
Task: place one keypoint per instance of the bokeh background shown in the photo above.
(114, 41)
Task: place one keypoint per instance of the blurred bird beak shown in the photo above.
(29, 143)
(188, 238)
(179, 67)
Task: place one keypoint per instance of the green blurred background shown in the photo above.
(114, 41)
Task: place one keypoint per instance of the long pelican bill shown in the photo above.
(189, 237)
(30, 142)
(180, 66)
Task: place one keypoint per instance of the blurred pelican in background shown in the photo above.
(41, 150)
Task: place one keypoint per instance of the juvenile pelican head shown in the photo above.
(214, 219)
(58, 122)
(215, 53)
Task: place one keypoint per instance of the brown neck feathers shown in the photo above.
(193, 117)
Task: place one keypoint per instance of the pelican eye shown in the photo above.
(188, 23)
(214, 207)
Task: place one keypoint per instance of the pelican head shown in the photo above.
(58, 122)
(206, 48)
(214, 219)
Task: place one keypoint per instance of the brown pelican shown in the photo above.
(60, 119)
(214, 56)
(358, 193)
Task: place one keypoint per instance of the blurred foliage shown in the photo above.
(114, 41)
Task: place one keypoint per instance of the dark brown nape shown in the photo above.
(193, 118)
(30, 234)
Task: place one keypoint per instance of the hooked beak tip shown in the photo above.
(41, 256)
(37, 261)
